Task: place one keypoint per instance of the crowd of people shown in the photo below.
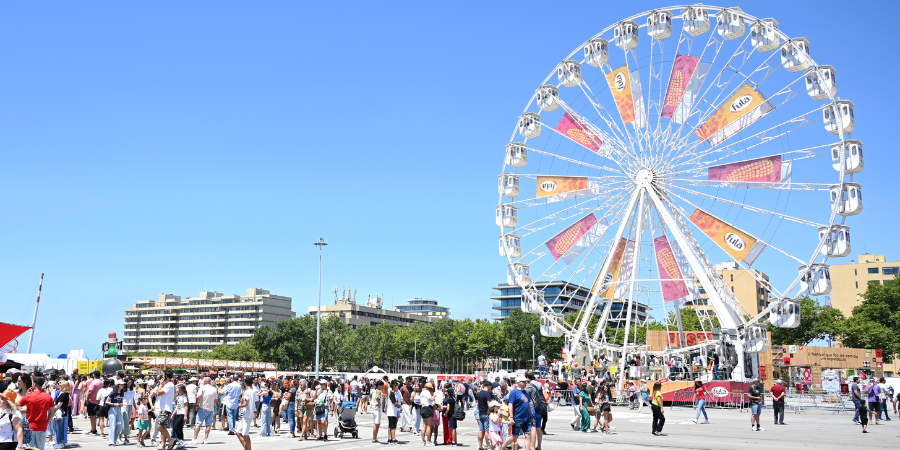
(509, 412)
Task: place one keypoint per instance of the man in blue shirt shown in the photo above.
(231, 396)
(521, 413)
(576, 406)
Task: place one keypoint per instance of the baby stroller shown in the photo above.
(346, 421)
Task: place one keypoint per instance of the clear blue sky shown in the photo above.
(176, 147)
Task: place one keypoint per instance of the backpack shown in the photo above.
(26, 430)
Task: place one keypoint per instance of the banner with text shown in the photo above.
(735, 242)
(620, 86)
(741, 110)
(556, 189)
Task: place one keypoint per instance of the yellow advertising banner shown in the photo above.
(744, 102)
(735, 242)
(86, 367)
(620, 85)
(612, 273)
(548, 185)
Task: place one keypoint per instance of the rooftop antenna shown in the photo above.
(335, 293)
(354, 295)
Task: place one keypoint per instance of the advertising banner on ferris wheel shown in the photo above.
(573, 128)
(682, 70)
(740, 245)
(739, 112)
(566, 239)
(620, 86)
(556, 188)
(670, 275)
(770, 170)
(691, 93)
(604, 287)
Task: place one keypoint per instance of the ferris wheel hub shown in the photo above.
(644, 178)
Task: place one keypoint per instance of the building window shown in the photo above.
(857, 284)
(873, 270)
(854, 272)
(890, 270)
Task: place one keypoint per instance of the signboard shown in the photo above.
(762, 372)
(792, 349)
(690, 337)
(831, 381)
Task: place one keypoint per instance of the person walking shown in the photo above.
(394, 409)
(587, 408)
(538, 409)
(644, 396)
(700, 395)
(656, 405)
(206, 405)
(166, 395)
(483, 401)
(114, 402)
(128, 393)
(542, 365)
(11, 435)
(93, 405)
(192, 402)
(521, 415)
(778, 401)
(231, 396)
(246, 413)
(426, 397)
(378, 408)
(886, 395)
(863, 408)
(856, 397)
(874, 397)
(178, 419)
(576, 405)
(265, 395)
(605, 402)
(756, 400)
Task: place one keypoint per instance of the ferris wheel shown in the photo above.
(655, 149)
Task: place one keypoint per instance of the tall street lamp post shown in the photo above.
(320, 243)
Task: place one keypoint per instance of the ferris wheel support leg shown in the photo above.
(592, 303)
(634, 265)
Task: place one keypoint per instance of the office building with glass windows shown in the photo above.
(564, 298)
(425, 307)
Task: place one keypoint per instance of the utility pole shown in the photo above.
(320, 243)
(34, 320)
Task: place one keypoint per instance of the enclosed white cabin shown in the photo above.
(659, 24)
(786, 314)
(518, 274)
(730, 23)
(850, 203)
(763, 35)
(625, 35)
(695, 20)
(795, 54)
(853, 156)
(815, 279)
(755, 338)
(550, 327)
(510, 246)
(507, 216)
(839, 117)
(548, 97)
(821, 82)
(532, 300)
(530, 125)
(516, 154)
(508, 185)
(596, 52)
(569, 73)
(837, 240)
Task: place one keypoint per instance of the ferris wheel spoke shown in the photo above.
(743, 206)
(623, 150)
(568, 213)
(575, 161)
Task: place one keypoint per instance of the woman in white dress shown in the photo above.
(246, 412)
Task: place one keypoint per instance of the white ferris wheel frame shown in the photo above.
(631, 168)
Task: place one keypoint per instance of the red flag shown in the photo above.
(574, 130)
(8, 332)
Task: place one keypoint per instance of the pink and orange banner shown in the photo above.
(612, 274)
(562, 242)
(620, 86)
(741, 110)
(673, 285)
(576, 131)
(551, 185)
(740, 245)
(682, 71)
(761, 170)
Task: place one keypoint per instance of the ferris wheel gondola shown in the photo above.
(650, 158)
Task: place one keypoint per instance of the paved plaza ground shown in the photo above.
(729, 429)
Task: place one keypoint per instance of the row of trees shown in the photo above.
(292, 343)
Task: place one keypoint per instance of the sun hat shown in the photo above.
(521, 378)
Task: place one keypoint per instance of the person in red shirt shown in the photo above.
(700, 396)
(93, 405)
(778, 402)
(38, 406)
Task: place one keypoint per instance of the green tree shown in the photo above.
(875, 322)
(816, 322)
(517, 330)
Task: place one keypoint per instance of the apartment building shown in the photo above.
(372, 313)
(564, 298)
(749, 292)
(173, 324)
(850, 281)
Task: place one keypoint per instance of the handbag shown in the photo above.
(590, 409)
(310, 405)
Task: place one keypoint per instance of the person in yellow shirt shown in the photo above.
(656, 405)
